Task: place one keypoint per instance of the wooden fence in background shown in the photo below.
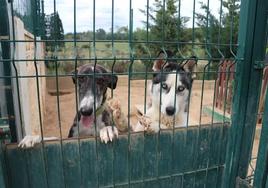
(225, 86)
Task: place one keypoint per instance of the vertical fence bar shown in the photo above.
(129, 84)
(95, 62)
(112, 90)
(215, 86)
(36, 25)
(261, 172)
(163, 9)
(57, 91)
(193, 28)
(36, 30)
(76, 95)
(145, 85)
(219, 31)
(150, 56)
(163, 38)
(3, 182)
(113, 49)
(55, 51)
(208, 40)
(252, 26)
(179, 28)
(13, 129)
(232, 29)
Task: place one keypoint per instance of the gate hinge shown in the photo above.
(260, 64)
(242, 183)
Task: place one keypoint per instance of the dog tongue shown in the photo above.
(87, 121)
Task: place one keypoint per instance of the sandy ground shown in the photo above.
(54, 118)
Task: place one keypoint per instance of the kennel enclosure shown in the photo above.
(213, 154)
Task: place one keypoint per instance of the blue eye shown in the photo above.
(181, 88)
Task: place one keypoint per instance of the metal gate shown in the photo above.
(261, 172)
(216, 153)
(252, 41)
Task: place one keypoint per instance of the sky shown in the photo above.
(103, 13)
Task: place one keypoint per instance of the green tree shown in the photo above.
(121, 33)
(231, 23)
(215, 32)
(165, 28)
(100, 34)
(54, 31)
(209, 28)
(219, 35)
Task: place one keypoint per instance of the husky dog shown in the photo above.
(170, 93)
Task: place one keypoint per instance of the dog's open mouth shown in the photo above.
(87, 121)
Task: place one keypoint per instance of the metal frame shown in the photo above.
(252, 32)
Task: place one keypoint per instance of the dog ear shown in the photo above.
(161, 60)
(73, 77)
(190, 66)
(112, 81)
(108, 80)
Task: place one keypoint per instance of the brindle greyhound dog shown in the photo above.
(93, 113)
(92, 91)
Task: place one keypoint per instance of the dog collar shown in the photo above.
(100, 110)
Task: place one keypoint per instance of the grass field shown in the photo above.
(102, 49)
(102, 52)
(105, 55)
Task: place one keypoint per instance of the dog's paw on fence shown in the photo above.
(108, 134)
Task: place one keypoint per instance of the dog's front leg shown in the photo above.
(30, 141)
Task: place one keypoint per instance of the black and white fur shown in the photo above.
(173, 82)
(90, 88)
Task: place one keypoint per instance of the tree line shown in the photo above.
(213, 35)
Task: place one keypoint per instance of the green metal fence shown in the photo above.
(261, 174)
(213, 150)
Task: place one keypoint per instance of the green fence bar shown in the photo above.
(261, 173)
(7, 52)
(252, 32)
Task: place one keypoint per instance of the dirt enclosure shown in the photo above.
(52, 122)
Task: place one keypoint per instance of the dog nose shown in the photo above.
(170, 110)
(86, 111)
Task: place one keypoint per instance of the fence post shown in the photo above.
(261, 173)
(2, 169)
(7, 69)
(251, 41)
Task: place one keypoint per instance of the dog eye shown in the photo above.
(164, 86)
(81, 79)
(181, 88)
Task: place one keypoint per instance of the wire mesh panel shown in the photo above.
(118, 170)
(136, 43)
